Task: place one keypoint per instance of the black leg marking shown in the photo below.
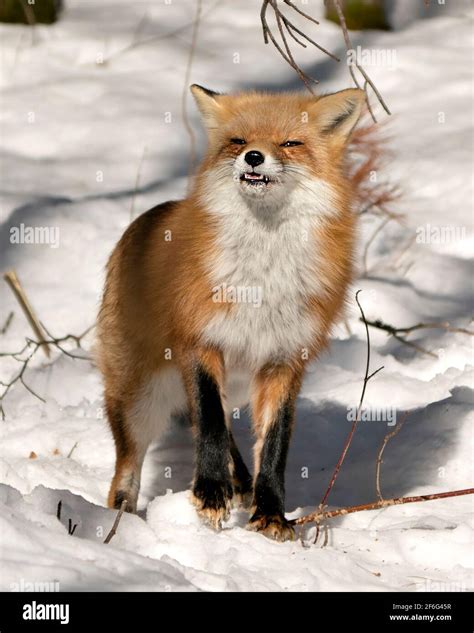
(269, 494)
(212, 484)
(242, 479)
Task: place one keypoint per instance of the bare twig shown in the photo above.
(318, 516)
(135, 43)
(378, 464)
(367, 79)
(441, 325)
(19, 378)
(184, 96)
(113, 531)
(7, 323)
(367, 101)
(72, 450)
(70, 527)
(286, 27)
(367, 377)
(399, 333)
(30, 348)
(17, 289)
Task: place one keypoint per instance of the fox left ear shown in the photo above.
(338, 113)
(208, 103)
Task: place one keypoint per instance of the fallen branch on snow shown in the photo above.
(113, 531)
(399, 332)
(29, 349)
(318, 516)
(378, 464)
(20, 294)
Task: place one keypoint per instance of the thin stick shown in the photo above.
(72, 450)
(386, 440)
(419, 326)
(32, 347)
(305, 15)
(398, 333)
(285, 26)
(7, 323)
(161, 36)
(349, 46)
(184, 97)
(367, 101)
(113, 531)
(14, 283)
(317, 517)
(367, 377)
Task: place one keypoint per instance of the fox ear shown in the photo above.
(338, 113)
(208, 103)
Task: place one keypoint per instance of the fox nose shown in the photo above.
(254, 158)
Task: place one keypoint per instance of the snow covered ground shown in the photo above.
(75, 134)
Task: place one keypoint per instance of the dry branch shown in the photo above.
(29, 350)
(135, 43)
(7, 323)
(72, 450)
(184, 96)
(287, 28)
(318, 516)
(378, 464)
(113, 531)
(399, 333)
(368, 81)
(17, 289)
(347, 444)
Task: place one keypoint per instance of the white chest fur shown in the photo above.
(268, 267)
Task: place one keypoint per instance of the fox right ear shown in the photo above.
(208, 103)
(339, 112)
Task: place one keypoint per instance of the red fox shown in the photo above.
(221, 299)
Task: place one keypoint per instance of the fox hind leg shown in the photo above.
(241, 478)
(136, 426)
(129, 460)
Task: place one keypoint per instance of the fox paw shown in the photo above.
(116, 499)
(275, 527)
(213, 501)
(243, 493)
(242, 499)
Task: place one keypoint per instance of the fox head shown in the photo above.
(268, 148)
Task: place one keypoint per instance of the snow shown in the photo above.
(95, 126)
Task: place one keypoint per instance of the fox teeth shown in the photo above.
(255, 177)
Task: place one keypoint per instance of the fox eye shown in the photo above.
(291, 144)
(238, 141)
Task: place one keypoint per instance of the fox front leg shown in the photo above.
(273, 410)
(212, 486)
